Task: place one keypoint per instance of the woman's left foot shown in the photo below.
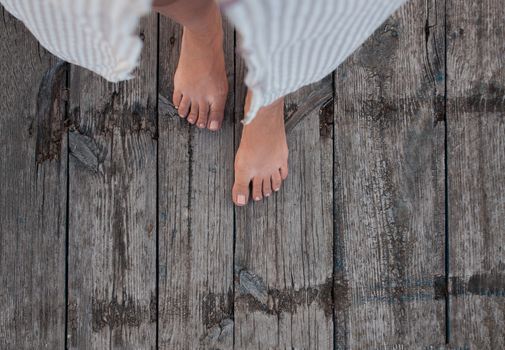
(262, 157)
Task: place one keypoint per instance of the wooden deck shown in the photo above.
(117, 228)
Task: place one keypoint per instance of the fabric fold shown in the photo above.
(95, 34)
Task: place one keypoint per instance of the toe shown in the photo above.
(184, 107)
(276, 181)
(216, 116)
(284, 171)
(267, 187)
(257, 190)
(193, 113)
(203, 114)
(240, 190)
(176, 98)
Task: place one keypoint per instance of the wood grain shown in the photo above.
(283, 248)
(195, 216)
(389, 185)
(350, 254)
(476, 173)
(112, 206)
(33, 179)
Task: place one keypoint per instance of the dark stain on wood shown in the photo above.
(117, 113)
(255, 296)
(50, 112)
(149, 229)
(382, 112)
(120, 261)
(483, 97)
(153, 308)
(172, 40)
(439, 105)
(115, 314)
(439, 288)
(341, 293)
(326, 118)
(396, 291)
(483, 284)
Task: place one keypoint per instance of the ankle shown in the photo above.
(270, 115)
(204, 34)
(206, 22)
(197, 16)
(268, 123)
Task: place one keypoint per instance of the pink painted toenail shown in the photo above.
(201, 125)
(213, 125)
(267, 195)
(241, 199)
(257, 198)
(276, 189)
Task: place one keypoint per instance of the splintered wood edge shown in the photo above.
(316, 99)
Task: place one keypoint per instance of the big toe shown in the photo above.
(216, 116)
(240, 191)
(284, 171)
(276, 181)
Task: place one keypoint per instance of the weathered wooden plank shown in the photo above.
(476, 173)
(283, 254)
(315, 99)
(112, 206)
(195, 215)
(33, 179)
(389, 180)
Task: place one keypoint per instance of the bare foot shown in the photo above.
(262, 157)
(200, 83)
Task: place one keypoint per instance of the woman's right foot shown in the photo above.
(262, 157)
(200, 82)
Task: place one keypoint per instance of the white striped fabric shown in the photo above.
(95, 34)
(287, 44)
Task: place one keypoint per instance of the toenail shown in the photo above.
(213, 125)
(201, 125)
(257, 198)
(267, 194)
(276, 189)
(241, 199)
